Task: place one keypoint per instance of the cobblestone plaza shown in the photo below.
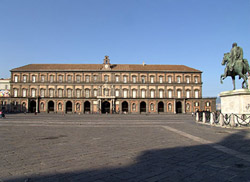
(104, 148)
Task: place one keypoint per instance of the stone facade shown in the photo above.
(106, 88)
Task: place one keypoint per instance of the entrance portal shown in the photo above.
(105, 107)
(160, 107)
(32, 107)
(50, 106)
(87, 107)
(143, 106)
(125, 106)
(178, 107)
(68, 106)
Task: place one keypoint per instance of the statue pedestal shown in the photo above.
(235, 101)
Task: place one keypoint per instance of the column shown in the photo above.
(174, 108)
(184, 106)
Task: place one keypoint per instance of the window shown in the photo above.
(106, 78)
(170, 93)
(196, 79)
(51, 78)
(196, 93)
(134, 79)
(125, 79)
(42, 78)
(33, 78)
(152, 93)
(33, 92)
(87, 78)
(161, 79)
(143, 79)
(169, 79)
(125, 93)
(151, 79)
(152, 107)
(116, 78)
(188, 93)
(24, 92)
(60, 93)
(196, 104)
(207, 104)
(24, 78)
(51, 93)
(178, 79)
(95, 78)
(78, 93)
(95, 93)
(42, 92)
(143, 93)
(134, 93)
(69, 93)
(134, 107)
(178, 93)
(69, 78)
(117, 93)
(15, 92)
(78, 78)
(188, 79)
(87, 93)
(15, 78)
(60, 79)
(161, 93)
(106, 92)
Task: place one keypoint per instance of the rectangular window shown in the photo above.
(125, 79)
(106, 78)
(161, 93)
(152, 79)
(169, 79)
(15, 78)
(95, 78)
(78, 78)
(188, 79)
(117, 93)
(95, 93)
(87, 93)
(33, 93)
(179, 94)
(170, 94)
(24, 92)
(87, 78)
(152, 93)
(178, 79)
(195, 79)
(196, 94)
(69, 78)
(143, 80)
(143, 93)
(134, 93)
(51, 78)
(134, 79)
(116, 78)
(125, 93)
(60, 78)
(33, 78)
(78, 93)
(69, 93)
(42, 92)
(42, 78)
(60, 92)
(15, 92)
(24, 78)
(188, 94)
(51, 93)
(160, 79)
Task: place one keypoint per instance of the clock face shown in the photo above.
(106, 66)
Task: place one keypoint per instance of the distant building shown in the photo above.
(108, 88)
(4, 87)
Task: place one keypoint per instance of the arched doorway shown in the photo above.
(105, 107)
(178, 107)
(87, 107)
(68, 106)
(125, 106)
(32, 107)
(160, 107)
(143, 106)
(51, 106)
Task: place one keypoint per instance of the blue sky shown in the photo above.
(186, 32)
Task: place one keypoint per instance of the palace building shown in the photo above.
(106, 88)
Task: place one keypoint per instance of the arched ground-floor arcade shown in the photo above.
(107, 105)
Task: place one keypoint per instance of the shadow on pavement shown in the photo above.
(192, 163)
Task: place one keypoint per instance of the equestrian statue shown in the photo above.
(235, 65)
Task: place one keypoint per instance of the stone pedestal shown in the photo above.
(236, 102)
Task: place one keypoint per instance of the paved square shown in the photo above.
(106, 148)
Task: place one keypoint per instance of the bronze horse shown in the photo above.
(240, 69)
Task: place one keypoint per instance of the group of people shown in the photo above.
(2, 115)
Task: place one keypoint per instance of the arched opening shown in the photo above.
(87, 107)
(160, 107)
(51, 106)
(105, 107)
(178, 107)
(143, 106)
(68, 106)
(32, 107)
(125, 106)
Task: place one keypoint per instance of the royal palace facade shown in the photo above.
(106, 88)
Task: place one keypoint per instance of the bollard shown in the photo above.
(204, 117)
(197, 116)
(211, 118)
(232, 120)
(221, 120)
